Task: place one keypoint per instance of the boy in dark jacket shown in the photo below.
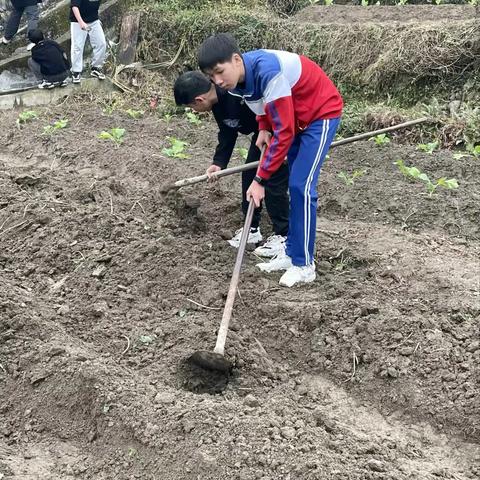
(30, 8)
(195, 90)
(49, 62)
(293, 97)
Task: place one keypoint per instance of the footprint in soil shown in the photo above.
(198, 380)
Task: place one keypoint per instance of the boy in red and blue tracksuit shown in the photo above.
(292, 97)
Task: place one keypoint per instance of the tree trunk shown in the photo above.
(128, 38)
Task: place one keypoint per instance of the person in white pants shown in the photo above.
(85, 23)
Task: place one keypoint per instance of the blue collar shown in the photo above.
(249, 89)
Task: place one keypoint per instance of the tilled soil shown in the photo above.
(371, 372)
(386, 14)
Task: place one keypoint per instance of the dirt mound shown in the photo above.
(386, 14)
(108, 285)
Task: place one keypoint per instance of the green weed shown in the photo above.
(116, 135)
(349, 180)
(135, 114)
(243, 152)
(474, 150)
(177, 148)
(192, 117)
(416, 174)
(26, 116)
(381, 140)
(428, 147)
(55, 127)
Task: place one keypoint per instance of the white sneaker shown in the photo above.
(274, 245)
(30, 46)
(253, 237)
(46, 85)
(5, 41)
(296, 275)
(280, 262)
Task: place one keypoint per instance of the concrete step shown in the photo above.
(33, 97)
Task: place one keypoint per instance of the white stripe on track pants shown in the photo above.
(305, 158)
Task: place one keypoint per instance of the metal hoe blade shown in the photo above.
(211, 361)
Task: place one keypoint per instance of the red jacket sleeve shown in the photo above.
(263, 123)
(281, 119)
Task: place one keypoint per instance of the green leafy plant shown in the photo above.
(192, 117)
(349, 180)
(55, 127)
(328, 2)
(135, 114)
(381, 140)
(438, 2)
(448, 183)
(26, 116)
(243, 152)
(416, 174)
(428, 147)
(459, 156)
(116, 135)
(167, 117)
(110, 105)
(474, 150)
(176, 149)
(364, 3)
(402, 2)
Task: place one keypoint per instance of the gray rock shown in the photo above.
(302, 389)
(188, 426)
(99, 272)
(64, 309)
(288, 432)
(392, 372)
(164, 398)
(251, 401)
(376, 465)
(406, 351)
(474, 346)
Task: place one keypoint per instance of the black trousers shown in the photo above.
(13, 21)
(276, 193)
(36, 69)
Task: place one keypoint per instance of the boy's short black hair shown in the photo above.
(216, 49)
(190, 85)
(35, 35)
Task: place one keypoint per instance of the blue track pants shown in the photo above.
(305, 158)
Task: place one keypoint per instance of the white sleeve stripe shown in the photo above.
(277, 87)
(290, 65)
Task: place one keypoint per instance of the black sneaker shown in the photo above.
(97, 73)
(64, 83)
(76, 77)
(45, 85)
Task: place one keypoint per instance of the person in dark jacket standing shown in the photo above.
(232, 115)
(30, 8)
(49, 62)
(85, 23)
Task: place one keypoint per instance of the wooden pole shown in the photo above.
(249, 166)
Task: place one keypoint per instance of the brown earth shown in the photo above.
(371, 372)
(386, 13)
